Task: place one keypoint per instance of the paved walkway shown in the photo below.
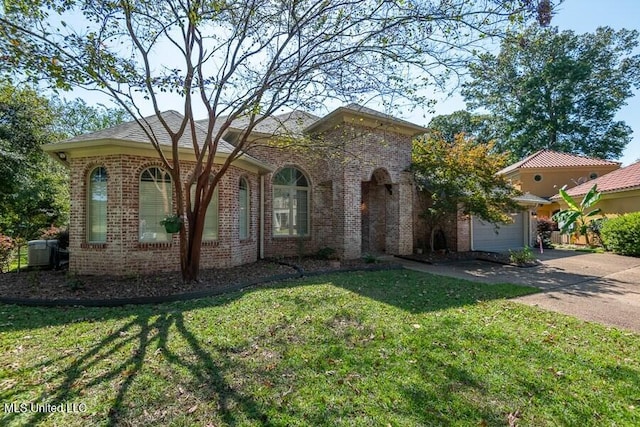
(602, 288)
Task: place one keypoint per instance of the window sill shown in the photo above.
(90, 245)
(155, 245)
(292, 238)
(211, 243)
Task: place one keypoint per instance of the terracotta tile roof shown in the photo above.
(555, 159)
(624, 179)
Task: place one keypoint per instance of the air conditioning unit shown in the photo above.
(40, 252)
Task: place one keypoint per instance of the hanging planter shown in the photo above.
(172, 223)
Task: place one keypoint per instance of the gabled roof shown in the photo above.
(292, 123)
(368, 113)
(555, 159)
(131, 131)
(624, 179)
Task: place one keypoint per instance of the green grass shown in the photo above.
(24, 262)
(395, 348)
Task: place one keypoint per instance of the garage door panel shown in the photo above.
(507, 236)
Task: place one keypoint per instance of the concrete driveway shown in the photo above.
(602, 288)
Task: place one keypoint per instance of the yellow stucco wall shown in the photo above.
(552, 179)
(613, 204)
(621, 202)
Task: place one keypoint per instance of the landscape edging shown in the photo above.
(119, 302)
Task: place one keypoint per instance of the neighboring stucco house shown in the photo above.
(539, 177)
(274, 201)
(620, 190)
(543, 173)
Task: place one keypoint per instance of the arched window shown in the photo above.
(97, 206)
(290, 203)
(210, 231)
(156, 202)
(243, 202)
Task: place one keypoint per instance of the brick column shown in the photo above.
(347, 216)
(405, 215)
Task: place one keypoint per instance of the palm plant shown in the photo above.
(578, 216)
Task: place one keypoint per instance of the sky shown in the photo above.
(584, 16)
(581, 16)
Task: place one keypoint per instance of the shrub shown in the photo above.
(544, 228)
(622, 234)
(595, 228)
(6, 251)
(521, 257)
(56, 233)
(327, 253)
(369, 258)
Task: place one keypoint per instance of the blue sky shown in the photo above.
(585, 16)
(582, 16)
(578, 15)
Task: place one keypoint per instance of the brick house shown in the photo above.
(351, 191)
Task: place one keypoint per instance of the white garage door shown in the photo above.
(507, 236)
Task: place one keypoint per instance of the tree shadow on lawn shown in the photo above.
(125, 357)
(143, 338)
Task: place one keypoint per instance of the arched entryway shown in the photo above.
(376, 217)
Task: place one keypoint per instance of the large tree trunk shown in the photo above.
(191, 244)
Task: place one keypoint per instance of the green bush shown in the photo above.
(622, 234)
(6, 251)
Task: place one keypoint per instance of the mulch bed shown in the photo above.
(64, 287)
(447, 257)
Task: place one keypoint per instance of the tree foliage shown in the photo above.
(245, 59)
(461, 176)
(480, 127)
(551, 89)
(34, 193)
(577, 217)
(35, 188)
(75, 117)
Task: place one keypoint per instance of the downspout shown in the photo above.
(471, 242)
(261, 231)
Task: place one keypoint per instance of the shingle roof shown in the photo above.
(292, 123)
(624, 179)
(131, 131)
(555, 159)
(365, 111)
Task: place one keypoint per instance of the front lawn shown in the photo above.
(392, 348)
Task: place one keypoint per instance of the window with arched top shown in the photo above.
(243, 203)
(97, 206)
(290, 203)
(155, 202)
(210, 230)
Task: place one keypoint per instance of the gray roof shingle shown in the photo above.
(131, 131)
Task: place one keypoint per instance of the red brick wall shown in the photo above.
(351, 156)
(335, 175)
(123, 253)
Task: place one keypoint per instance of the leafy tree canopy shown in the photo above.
(245, 59)
(75, 117)
(558, 90)
(461, 175)
(35, 188)
(480, 127)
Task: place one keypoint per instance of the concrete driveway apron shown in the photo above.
(602, 288)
